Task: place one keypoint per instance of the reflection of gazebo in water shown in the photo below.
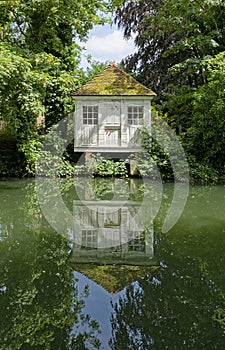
(109, 232)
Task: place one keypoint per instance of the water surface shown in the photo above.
(171, 297)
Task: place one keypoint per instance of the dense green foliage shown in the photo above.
(101, 166)
(206, 134)
(173, 38)
(39, 66)
(9, 164)
(180, 55)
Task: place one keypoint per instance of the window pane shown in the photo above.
(90, 115)
(135, 115)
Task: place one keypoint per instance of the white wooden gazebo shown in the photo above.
(110, 109)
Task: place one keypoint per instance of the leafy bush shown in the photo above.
(155, 155)
(201, 173)
(108, 167)
(12, 161)
(97, 165)
(53, 165)
(30, 149)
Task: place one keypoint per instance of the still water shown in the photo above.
(104, 280)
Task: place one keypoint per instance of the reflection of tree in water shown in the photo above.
(172, 308)
(19, 207)
(38, 299)
(107, 188)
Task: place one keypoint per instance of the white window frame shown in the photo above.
(135, 115)
(136, 242)
(89, 239)
(90, 115)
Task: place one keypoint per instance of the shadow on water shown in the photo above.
(100, 295)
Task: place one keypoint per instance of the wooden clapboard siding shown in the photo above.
(112, 92)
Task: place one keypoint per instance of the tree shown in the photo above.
(172, 39)
(175, 42)
(172, 34)
(25, 85)
(205, 137)
(49, 25)
(52, 27)
(21, 90)
(40, 58)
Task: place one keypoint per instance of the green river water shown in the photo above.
(75, 289)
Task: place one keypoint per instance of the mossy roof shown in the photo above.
(113, 81)
(114, 278)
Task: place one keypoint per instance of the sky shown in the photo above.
(106, 43)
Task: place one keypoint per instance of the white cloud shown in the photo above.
(109, 47)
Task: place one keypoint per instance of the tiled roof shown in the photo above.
(113, 81)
